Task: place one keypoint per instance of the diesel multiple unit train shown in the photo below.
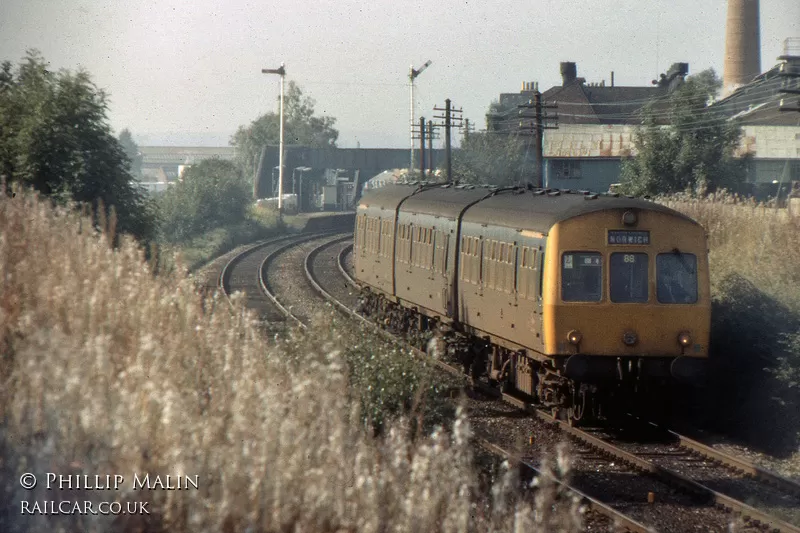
(559, 295)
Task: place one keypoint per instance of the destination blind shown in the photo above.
(617, 237)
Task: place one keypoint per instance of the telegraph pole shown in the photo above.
(537, 128)
(282, 72)
(468, 128)
(422, 148)
(450, 115)
(430, 147)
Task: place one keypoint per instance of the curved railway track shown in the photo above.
(693, 483)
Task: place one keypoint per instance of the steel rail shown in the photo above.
(596, 505)
(340, 262)
(747, 512)
(743, 466)
(262, 271)
(222, 280)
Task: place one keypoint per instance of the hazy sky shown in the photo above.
(189, 72)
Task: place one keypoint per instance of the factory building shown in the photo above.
(596, 124)
(771, 132)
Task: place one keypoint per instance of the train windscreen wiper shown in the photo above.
(682, 260)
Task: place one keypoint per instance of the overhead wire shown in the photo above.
(641, 112)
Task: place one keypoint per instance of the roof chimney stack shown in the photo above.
(569, 73)
(742, 44)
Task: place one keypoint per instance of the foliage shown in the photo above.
(54, 136)
(199, 250)
(209, 194)
(301, 127)
(493, 158)
(132, 152)
(754, 259)
(107, 368)
(694, 153)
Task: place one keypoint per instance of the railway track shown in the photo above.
(682, 493)
(244, 272)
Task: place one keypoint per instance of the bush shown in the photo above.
(754, 255)
(210, 194)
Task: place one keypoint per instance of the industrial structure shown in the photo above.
(771, 136)
(596, 124)
(742, 44)
(162, 165)
(327, 178)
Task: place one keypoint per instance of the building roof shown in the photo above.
(582, 103)
(759, 102)
(590, 140)
(181, 155)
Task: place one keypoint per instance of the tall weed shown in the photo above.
(109, 369)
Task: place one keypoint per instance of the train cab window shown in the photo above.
(628, 273)
(676, 278)
(581, 277)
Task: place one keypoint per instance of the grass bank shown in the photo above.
(109, 369)
(197, 250)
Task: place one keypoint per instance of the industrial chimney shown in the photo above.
(742, 44)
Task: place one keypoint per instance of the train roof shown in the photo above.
(537, 210)
(540, 211)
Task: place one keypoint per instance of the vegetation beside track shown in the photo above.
(755, 276)
(108, 369)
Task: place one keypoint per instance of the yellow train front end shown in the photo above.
(626, 296)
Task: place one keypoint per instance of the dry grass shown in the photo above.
(107, 369)
(756, 241)
(755, 273)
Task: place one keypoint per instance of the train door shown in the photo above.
(361, 234)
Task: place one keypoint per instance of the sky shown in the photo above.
(182, 72)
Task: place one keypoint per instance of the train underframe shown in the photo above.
(610, 386)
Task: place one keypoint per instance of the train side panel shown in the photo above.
(498, 281)
(374, 237)
(422, 252)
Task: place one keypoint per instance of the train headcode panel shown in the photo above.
(628, 237)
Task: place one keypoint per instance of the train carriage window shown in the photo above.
(676, 278)
(510, 284)
(581, 277)
(628, 277)
(527, 277)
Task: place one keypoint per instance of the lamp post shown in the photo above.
(411, 77)
(282, 72)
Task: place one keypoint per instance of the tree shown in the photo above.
(54, 137)
(694, 153)
(211, 193)
(494, 158)
(301, 127)
(132, 152)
